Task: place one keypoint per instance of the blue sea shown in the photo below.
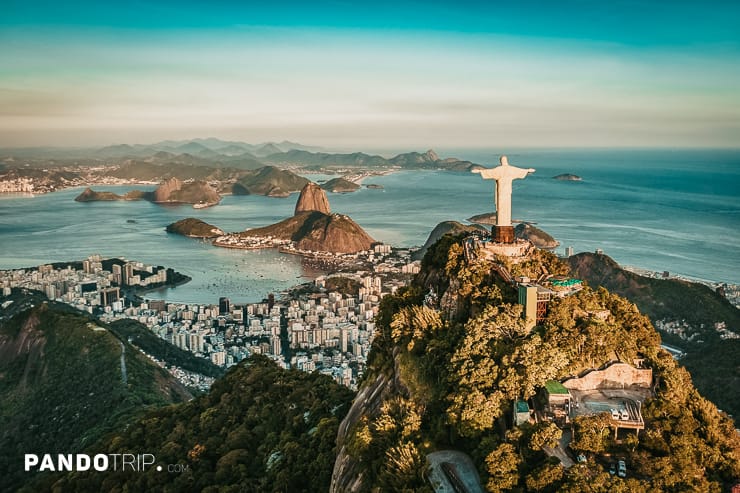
(676, 211)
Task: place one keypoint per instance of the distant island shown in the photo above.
(567, 177)
(340, 185)
(268, 180)
(198, 192)
(90, 195)
(172, 191)
(194, 228)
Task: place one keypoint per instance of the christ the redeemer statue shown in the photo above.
(504, 175)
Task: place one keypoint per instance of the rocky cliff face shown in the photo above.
(312, 198)
(334, 233)
(165, 190)
(315, 228)
(195, 192)
(319, 232)
(347, 475)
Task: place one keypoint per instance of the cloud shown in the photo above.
(372, 89)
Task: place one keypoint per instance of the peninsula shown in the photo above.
(313, 228)
(194, 228)
(538, 237)
(340, 185)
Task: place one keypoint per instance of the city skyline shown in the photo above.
(370, 76)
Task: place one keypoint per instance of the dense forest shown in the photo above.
(261, 428)
(712, 361)
(461, 357)
(61, 382)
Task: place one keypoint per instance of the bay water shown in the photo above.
(663, 210)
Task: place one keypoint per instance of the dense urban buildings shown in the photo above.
(311, 329)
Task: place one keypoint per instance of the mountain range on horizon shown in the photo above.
(212, 152)
(202, 147)
(210, 147)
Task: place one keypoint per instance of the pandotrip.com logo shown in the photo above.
(97, 462)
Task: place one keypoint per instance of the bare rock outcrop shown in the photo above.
(175, 191)
(165, 190)
(347, 475)
(319, 232)
(315, 228)
(312, 198)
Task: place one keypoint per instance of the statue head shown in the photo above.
(504, 161)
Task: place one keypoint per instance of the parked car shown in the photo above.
(621, 469)
(615, 414)
(612, 469)
(624, 415)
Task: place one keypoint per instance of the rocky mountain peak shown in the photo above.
(312, 198)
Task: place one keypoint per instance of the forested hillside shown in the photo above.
(261, 428)
(455, 362)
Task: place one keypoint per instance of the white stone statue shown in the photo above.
(503, 175)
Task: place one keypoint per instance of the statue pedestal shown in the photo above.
(503, 234)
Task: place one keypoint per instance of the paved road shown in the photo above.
(560, 452)
(451, 471)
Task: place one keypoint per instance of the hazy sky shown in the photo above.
(373, 74)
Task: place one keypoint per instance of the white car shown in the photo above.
(624, 415)
(615, 414)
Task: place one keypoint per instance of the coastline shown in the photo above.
(412, 204)
(731, 290)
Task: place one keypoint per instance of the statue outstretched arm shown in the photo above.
(486, 173)
(523, 172)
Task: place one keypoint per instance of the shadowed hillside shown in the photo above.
(64, 383)
(261, 428)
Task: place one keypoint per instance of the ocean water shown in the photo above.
(661, 210)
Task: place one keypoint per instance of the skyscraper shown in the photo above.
(224, 306)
